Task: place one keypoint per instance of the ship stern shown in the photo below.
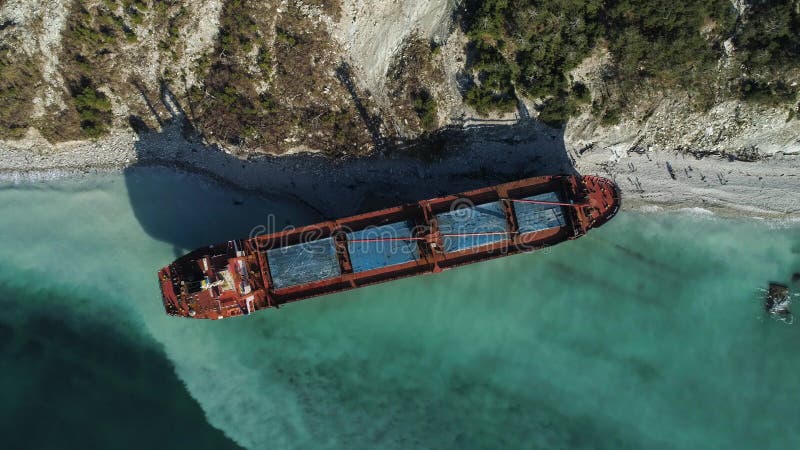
(169, 295)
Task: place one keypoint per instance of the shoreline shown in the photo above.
(629, 204)
(473, 157)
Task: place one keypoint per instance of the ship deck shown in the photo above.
(239, 277)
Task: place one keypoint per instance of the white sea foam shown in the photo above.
(697, 211)
(651, 209)
(18, 177)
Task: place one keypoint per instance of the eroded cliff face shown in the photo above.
(272, 76)
(342, 77)
(666, 121)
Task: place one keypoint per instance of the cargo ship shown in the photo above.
(239, 277)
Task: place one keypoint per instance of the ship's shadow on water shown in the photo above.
(454, 159)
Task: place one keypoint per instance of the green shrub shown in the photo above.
(526, 47)
(285, 37)
(94, 110)
(768, 44)
(264, 60)
(556, 110)
(426, 109)
(135, 16)
(494, 90)
(229, 104)
(770, 34)
(581, 93)
(19, 77)
(662, 39)
(767, 92)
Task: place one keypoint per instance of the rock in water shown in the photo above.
(777, 301)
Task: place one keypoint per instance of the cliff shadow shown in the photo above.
(460, 157)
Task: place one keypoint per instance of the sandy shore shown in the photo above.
(475, 156)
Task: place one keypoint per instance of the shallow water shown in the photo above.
(646, 333)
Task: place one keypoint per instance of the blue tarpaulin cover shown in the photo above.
(375, 255)
(533, 217)
(485, 218)
(303, 263)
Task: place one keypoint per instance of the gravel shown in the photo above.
(478, 156)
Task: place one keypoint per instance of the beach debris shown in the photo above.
(777, 302)
(671, 171)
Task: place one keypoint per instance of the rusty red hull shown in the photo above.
(242, 276)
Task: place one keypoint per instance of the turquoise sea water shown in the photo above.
(648, 333)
